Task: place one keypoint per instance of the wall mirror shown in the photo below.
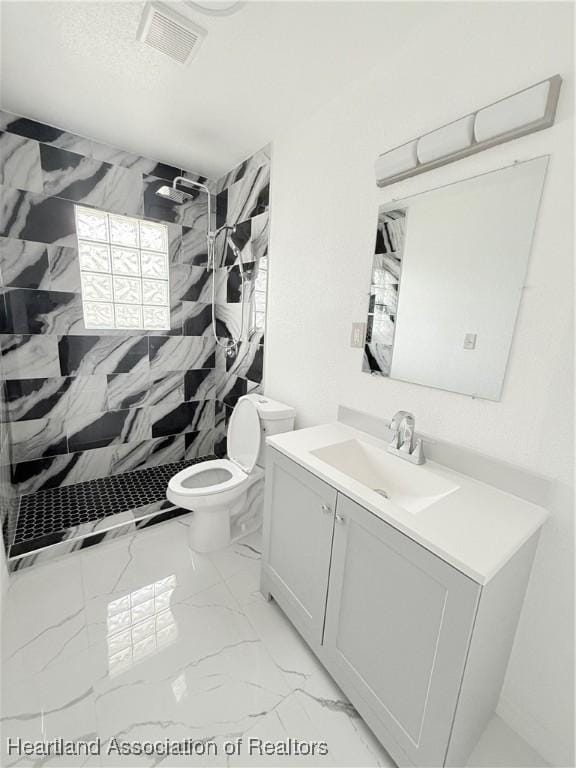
(447, 280)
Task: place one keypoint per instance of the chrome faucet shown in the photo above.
(402, 443)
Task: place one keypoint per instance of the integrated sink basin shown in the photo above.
(411, 487)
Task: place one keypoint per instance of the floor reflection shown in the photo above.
(140, 624)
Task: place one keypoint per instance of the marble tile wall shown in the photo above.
(83, 404)
(242, 199)
(8, 502)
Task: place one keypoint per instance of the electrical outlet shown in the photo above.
(470, 340)
(358, 335)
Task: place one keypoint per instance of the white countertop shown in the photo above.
(477, 528)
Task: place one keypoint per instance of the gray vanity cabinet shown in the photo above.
(419, 648)
(298, 543)
(398, 624)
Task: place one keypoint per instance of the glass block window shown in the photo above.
(124, 271)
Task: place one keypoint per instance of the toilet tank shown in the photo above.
(275, 417)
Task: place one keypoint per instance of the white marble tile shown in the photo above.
(44, 621)
(136, 562)
(287, 721)
(214, 679)
(245, 553)
(56, 703)
(350, 742)
(245, 584)
(141, 639)
(20, 163)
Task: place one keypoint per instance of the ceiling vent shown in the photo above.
(169, 32)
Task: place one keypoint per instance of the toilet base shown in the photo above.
(210, 528)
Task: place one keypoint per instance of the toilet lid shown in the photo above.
(244, 435)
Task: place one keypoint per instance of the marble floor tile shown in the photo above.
(141, 639)
(142, 561)
(44, 620)
(58, 702)
(243, 554)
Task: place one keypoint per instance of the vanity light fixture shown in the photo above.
(527, 111)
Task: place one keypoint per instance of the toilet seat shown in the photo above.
(199, 480)
(220, 475)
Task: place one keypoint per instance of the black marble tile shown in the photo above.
(24, 264)
(27, 356)
(73, 176)
(35, 398)
(255, 370)
(102, 354)
(156, 207)
(43, 473)
(31, 216)
(234, 282)
(37, 439)
(108, 428)
(242, 233)
(180, 353)
(199, 443)
(222, 414)
(4, 321)
(64, 269)
(235, 393)
(163, 209)
(246, 359)
(197, 318)
(221, 446)
(221, 208)
(182, 418)
(147, 453)
(47, 134)
(130, 390)
(247, 167)
(189, 283)
(199, 384)
(249, 197)
(163, 171)
(194, 250)
(33, 311)
(260, 235)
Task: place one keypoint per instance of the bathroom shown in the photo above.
(205, 239)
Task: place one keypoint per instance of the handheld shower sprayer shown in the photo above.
(178, 195)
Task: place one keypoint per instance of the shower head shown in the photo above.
(176, 194)
(173, 194)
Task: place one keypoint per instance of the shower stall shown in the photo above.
(94, 418)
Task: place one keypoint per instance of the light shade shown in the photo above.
(530, 110)
(512, 113)
(397, 161)
(447, 140)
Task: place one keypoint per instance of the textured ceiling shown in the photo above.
(78, 65)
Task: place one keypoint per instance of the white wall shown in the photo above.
(324, 207)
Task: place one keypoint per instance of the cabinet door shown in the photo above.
(298, 527)
(398, 625)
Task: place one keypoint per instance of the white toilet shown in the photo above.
(215, 490)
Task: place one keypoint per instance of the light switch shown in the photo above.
(470, 341)
(358, 335)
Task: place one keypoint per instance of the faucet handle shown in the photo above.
(418, 452)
